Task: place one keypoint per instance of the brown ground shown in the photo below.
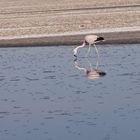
(45, 17)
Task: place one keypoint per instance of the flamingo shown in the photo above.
(90, 72)
(90, 40)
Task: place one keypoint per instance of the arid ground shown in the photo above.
(66, 21)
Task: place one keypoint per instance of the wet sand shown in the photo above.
(24, 23)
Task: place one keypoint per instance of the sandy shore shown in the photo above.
(45, 22)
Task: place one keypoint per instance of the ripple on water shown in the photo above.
(43, 95)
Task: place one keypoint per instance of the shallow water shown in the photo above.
(43, 94)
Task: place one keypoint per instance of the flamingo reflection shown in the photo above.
(91, 73)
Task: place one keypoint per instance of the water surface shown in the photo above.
(43, 95)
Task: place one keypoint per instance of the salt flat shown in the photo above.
(45, 17)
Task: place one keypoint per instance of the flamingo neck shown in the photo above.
(81, 46)
(76, 49)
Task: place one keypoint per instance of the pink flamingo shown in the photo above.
(90, 72)
(90, 40)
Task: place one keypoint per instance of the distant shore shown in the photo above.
(42, 23)
(70, 39)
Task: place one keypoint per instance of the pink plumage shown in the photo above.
(91, 39)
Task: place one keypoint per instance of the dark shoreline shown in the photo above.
(71, 39)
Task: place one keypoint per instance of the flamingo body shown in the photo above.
(90, 40)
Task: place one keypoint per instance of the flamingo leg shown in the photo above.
(89, 47)
(91, 67)
(97, 63)
(96, 50)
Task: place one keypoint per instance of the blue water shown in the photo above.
(43, 95)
